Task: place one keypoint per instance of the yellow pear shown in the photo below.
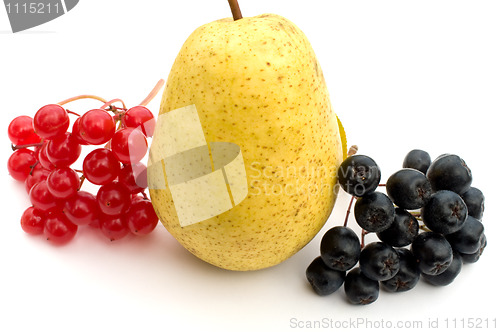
(242, 166)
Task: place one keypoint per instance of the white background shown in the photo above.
(401, 74)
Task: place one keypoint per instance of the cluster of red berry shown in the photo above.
(45, 150)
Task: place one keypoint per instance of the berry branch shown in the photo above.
(431, 244)
(348, 211)
(65, 101)
(45, 149)
(112, 101)
(153, 93)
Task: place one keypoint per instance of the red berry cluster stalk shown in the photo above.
(46, 148)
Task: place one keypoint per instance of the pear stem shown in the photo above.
(235, 9)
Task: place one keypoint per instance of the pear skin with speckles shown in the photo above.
(256, 83)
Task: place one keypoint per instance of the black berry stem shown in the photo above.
(424, 228)
(363, 234)
(353, 149)
(348, 211)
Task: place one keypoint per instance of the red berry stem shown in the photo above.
(112, 101)
(153, 93)
(32, 167)
(24, 146)
(82, 179)
(71, 112)
(348, 211)
(82, 97)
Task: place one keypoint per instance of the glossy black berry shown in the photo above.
(379, 261)
(417, 159)
(449, 172)
(358, 175)
(402, 230)
(340, 248)
(448, 275)
(374, 212)
(408, 188)
(408, 274)
(467, 240)
(472, 258)
(432, 252)
(445, 212)
(323, 280)
(474, 199)
(360, 289)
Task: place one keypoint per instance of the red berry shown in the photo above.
(42, 157)
(75, 132)
(33, 221)
(51, 121)
(42, 199)
(63, 182)
(82, 209)
(21, 131)
(38, 174)
(20, 164)
(141, 217)
(134, 177)
(113, 198)
(63, 150)
(101, 166)
(58, 229)
(97, 126)
(113, 227)
(129, 145)
(140, 116)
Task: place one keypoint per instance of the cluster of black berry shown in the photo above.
(428, 224)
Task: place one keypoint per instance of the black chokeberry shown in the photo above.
(448, 275)
(449, 172)
(408, 274)
(408, 188)
(358, 175)
(340, 248)
(402, 230)
(472, 258)
(360, 289)
(445, 212)
(379, 261)
(417, 159)
(474, 199)
(324, 280)
(467, 240)
(432, 252)
(374, 212)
